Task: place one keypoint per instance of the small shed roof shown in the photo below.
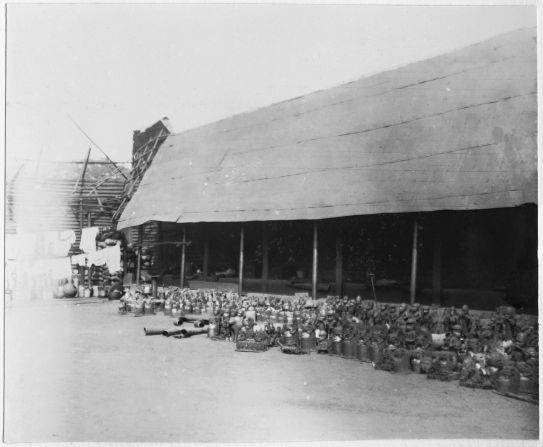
(455, 132)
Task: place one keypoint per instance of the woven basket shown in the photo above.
(309, 344)
(362, 352)
(335, 348)
(290, 349)
(322, 346)
(251, 346)
(348, 349)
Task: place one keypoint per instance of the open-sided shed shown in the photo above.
(455, 132)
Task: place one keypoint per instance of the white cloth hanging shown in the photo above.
(88, 239)
(113, 258)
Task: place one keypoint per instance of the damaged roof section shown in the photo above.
(454, 132)
(49, 196)
(144, 148)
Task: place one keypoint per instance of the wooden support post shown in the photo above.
(183, 249)
(205, 266)
(138, 270)
(436, 266)
(265, 256)
(89, 221)
(241, 241)
(339, 264)
(140, 243)
(412, 291)
(80, 220)
(315, 262)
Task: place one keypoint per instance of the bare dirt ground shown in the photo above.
(75, 370)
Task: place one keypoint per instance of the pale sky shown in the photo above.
(117, 68)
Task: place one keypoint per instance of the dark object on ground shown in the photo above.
(183, 333)
(153, 331)
(174, 332)
(114, 294)
(251, 346)
(182, 320)
(201, 323)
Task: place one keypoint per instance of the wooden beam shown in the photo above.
(436, 264)
(315, 262)
(241, 248)
(265, 256)
(339, 263)
(140, 240)
(81, 191)
(183, 249)
(159, 253)
(412, 291)
(205, 267)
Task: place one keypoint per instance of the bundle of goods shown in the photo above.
(251, 340)
(443, 343)
(147, 259)
(93, 268)
(290, 342)
(176, 333)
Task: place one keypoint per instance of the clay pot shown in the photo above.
(149, 308)
(212, 330)
(114, 294)
(347, 350)
(69, 290)
(335, 348)
(362, 352)
(400, 362)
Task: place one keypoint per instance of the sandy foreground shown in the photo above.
(75, 370)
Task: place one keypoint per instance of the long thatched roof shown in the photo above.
(454, 132)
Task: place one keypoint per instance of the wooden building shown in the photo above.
(424, 176)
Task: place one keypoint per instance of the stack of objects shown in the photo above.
(498, 352)
(108, 238)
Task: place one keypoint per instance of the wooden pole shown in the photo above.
(183, 247)
(315, 262)
(205, 267)
(412, 290)
(80, 219)
(436, 265)
(339, 264)
(159, 251)
(265, 257)
(140, 242)
(241, 241)
(81, 191)
(89, 221)
(138, 270)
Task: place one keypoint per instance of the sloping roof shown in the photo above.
(455, 132)
(45, 196)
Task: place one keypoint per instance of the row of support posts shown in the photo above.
(436, 269)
